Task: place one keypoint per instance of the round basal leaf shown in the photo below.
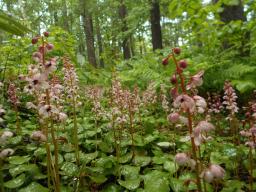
(24, 168)
(40, 152)
(233, 185)
(34, 187)
(156, 181)
(160, 159)
(86, 158)
(170, 167)
(130, 184)
(125, 158)
(98, 179)
(112, 188)
(177, 185)
(70, 157)
(69, 169)
(106, 147)
(130, 172)
(17, 160)
(105, 162)
(218, 158)
(149, 138)
(16, 182)
(15, 140)
(141, 161)
(165, 145)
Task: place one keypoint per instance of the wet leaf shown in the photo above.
(16, 182)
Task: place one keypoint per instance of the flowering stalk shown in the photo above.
(190, 124)
(70, 80)
(13, 98)
(40, 87)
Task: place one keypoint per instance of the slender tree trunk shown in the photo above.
(88, 29)
(155, 25)
(65, 16)
(125, 43)
(132, 45)
(99, 41)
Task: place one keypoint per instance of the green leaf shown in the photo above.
(24, 168)
(16, 182)
(98, 179)
(17, 160)
(233, 185)
(125, 158)
(112, 188)
(141, 161)
(130, 184)
(156, 181)
(32, 187)
(130, 172)
(69, 169)
(170, 166)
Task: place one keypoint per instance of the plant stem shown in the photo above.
(251, 169)
(190, 124)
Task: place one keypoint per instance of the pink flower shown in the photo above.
(253, 130)
(251, 144)
(200, 104)
(196, 80)
(245, 133)
(38, 136)
(174, 117)
(37, 56)
(181, 158)
(6, 153)
(207, 176)
(217, 171)
(185, 103)
(205, 126)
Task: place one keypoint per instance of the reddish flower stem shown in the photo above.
(190, 124)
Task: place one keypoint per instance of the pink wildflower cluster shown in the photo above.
(251, 136)
(124, 102)
(46, 90)
(230, 99)
(214, 103)
(95, 94)
(149, 96)
(164, 100)
(187, 104)
(70, 82)
(12, 94)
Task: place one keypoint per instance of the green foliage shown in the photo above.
(11, 25)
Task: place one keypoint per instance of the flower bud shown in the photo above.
(183, 64)
(173, 117)
(165, 61)
(177, 50)
(173, 79)
(34, 40)
(46, 34)
(49, 46)
(181, 158)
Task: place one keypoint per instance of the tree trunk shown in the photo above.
(234, 13)
(125, 43)
(99, 41)
(65, 16)
(155, 25)
(88, 30)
